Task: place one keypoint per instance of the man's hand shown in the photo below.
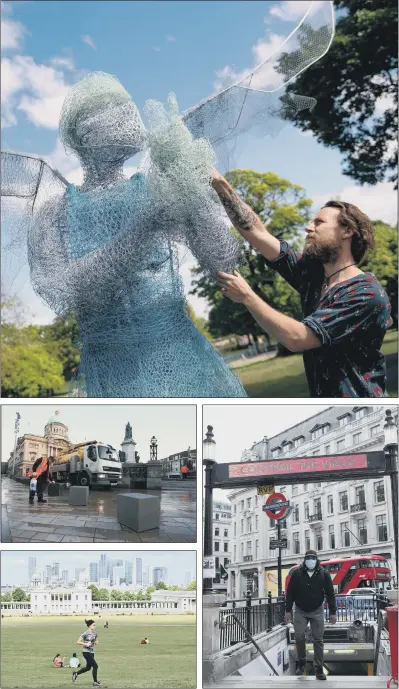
(235, 287)
(216, 177)
(333, 619)
(287, 618)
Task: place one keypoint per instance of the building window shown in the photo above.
(242, 551)
(379, 492)
(225, 547)
(216, 546)
(343, 501)
(343, 421)
(317, 506)
(296, 514)
(249, 524)
(382, 531)
(356, 438)
(275, 452)
(242, 505)
(374, 430)
(297, 546)
(327, 450)
(345, 536)
(217, 515)
(319, 541)
(331, 536)
(306, 505)
(235, 509)
(256, 550)
(255, 501)
(217, 531)
(330, 504)
(272, 523)
(257, 522)
(362, 531)
(226, 533)
(359, 413)
(235, 553)
(298, 441)
(305, 487)
(341, 444)
(307, 540)
(249, 547)
(360, 496)
(235, 529)
(249, 502)
(242, 526)
(295, 490)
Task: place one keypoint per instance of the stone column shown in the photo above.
(154, 475)
(211, 603)
(261, 581)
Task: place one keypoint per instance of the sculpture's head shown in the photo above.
(100, 122)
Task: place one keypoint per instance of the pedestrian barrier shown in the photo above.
(79, 496)
(137, 511)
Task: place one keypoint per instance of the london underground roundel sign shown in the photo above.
(276, 506)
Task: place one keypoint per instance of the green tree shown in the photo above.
(140, 595)
(192, 586)
(6, 597)
(19, 595)
(161, 585)
(103, 594)
(383, 262)
(62, 339)
(200, 323)
(285, 209)
(355, 86)
(94, 592)
(116, 595)
(150, 590)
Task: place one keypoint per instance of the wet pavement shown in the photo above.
(58, 522)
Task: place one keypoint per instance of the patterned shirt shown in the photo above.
(90, 637)
(350, 320)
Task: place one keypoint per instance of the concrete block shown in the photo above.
(138, 511)
(79, 495)
(54, 489)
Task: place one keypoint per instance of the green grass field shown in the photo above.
(28, 647)
(285, 376)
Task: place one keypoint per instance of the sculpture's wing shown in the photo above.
(27, 184)
(257, 102)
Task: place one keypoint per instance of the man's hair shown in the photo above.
(351, 216)
(51, 459)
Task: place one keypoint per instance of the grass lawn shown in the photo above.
(28, 647)
(285, 376)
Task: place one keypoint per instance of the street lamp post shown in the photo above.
(153, 449)
(391, 454)
(208, 458)
(16, 431)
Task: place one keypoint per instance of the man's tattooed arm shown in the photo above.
(240, 214)
(245, 219)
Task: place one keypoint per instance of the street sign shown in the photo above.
(282, 543)
(265, 490)
(209, 568)
(276, 506)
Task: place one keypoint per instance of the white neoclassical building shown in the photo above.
(29, 446)
(60, 600)
(337, 519)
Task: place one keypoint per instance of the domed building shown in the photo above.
(29, 446)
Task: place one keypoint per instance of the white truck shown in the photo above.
(89, 464)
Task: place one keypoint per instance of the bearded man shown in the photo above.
(346, 312)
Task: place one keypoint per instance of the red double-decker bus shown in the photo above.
(360, 571)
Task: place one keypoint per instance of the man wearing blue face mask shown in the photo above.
(309, 585)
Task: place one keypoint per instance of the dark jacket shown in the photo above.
(308, 593)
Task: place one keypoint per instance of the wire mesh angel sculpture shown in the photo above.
(106, 251)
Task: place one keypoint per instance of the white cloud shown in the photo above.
(266, 78)
(290, 10)
(156, 48)
(12, 32)
(66, 163)
(378, 202)
(170, 38)
(89, 41)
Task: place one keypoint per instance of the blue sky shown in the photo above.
(174, 426)
(14, 565)
(155, 48)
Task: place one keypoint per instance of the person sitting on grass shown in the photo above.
(74, 661)
(58, 661)
(144, 641)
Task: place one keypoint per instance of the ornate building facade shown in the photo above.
(30, 446)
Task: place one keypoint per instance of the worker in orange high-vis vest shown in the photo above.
(184, 471)
(42, 469)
